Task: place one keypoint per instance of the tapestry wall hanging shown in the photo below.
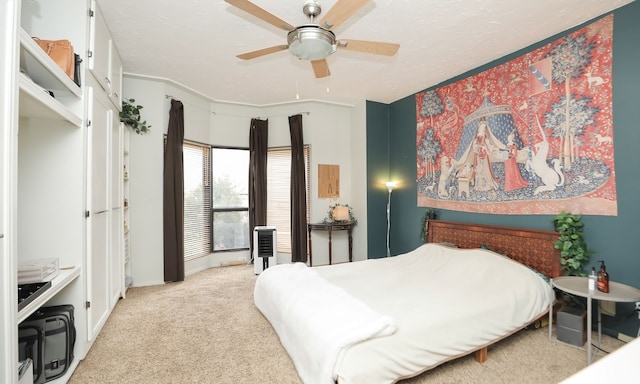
(530, 136)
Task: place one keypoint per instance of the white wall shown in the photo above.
(335, 133)
(145, 183)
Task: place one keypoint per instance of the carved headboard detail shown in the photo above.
(531, 247)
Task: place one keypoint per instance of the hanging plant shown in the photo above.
(130, 115)
(574, 254)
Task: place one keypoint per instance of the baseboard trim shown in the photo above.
(625, 338)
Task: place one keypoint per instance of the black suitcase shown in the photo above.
(30, 345)
(47, 337)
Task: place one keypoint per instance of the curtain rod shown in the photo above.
(167, 96)
(299, 113)
(260, 117)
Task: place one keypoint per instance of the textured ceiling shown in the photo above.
(194, 43)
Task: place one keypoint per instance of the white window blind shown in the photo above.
(279, 195)
(197, 200)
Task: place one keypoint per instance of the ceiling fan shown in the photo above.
(315, 41)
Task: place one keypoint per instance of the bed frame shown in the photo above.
(531, 247)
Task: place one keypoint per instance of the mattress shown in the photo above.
(444, 303)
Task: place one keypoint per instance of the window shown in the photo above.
(279, 195)
(230, 199)
(197, 200)
(216, 200)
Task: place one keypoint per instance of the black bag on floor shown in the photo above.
(30, 345)
(47, 337)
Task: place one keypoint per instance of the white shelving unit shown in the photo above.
(9, 25)
(35, 62)
(46, 171)
(64, 278)
(61, 168)
(41, 75)
(49, 134)
(36, 103)
(127, 217)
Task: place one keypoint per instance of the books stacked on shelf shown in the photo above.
(37, 270)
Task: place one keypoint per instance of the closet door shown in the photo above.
(99, 43)
(115, 75)
(100, 114)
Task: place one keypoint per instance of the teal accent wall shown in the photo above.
(615, 239)
(378, 174)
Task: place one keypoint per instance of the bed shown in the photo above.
(383, 320)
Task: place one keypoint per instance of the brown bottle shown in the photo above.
(603, 278)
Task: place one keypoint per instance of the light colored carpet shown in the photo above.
(207, 330)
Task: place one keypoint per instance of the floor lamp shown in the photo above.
(390, 186)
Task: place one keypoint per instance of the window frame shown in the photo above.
(226, 209)
(212, 211)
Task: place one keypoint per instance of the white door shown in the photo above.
(115, 75)
(99, 42)
(98, 244)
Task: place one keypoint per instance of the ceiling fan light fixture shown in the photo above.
(311, 42)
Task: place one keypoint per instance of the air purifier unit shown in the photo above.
(264, 248)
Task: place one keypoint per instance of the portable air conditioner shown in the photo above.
(264, 248)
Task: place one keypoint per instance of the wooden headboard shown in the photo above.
(531, 247)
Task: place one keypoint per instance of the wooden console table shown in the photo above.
(330, 227)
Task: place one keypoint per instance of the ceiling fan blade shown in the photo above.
(374, 47)
(261, 52)
(340, 12)
(260, 13)
(320, 68)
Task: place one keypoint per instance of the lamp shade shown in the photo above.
(340, 213)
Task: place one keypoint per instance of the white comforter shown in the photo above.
(445, 302)
(315, 320)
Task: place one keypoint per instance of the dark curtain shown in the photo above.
(298, 192)
(258, 138)
(173, 198)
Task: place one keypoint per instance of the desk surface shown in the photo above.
(580, 286)
(333, 225)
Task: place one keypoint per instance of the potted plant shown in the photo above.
(574, 253)
(130, 115)
(429, 214)
(574, 256)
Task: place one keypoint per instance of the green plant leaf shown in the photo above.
(130, 115)
(574, 254)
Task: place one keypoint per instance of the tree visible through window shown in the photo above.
(230, 200)
(216, 200)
